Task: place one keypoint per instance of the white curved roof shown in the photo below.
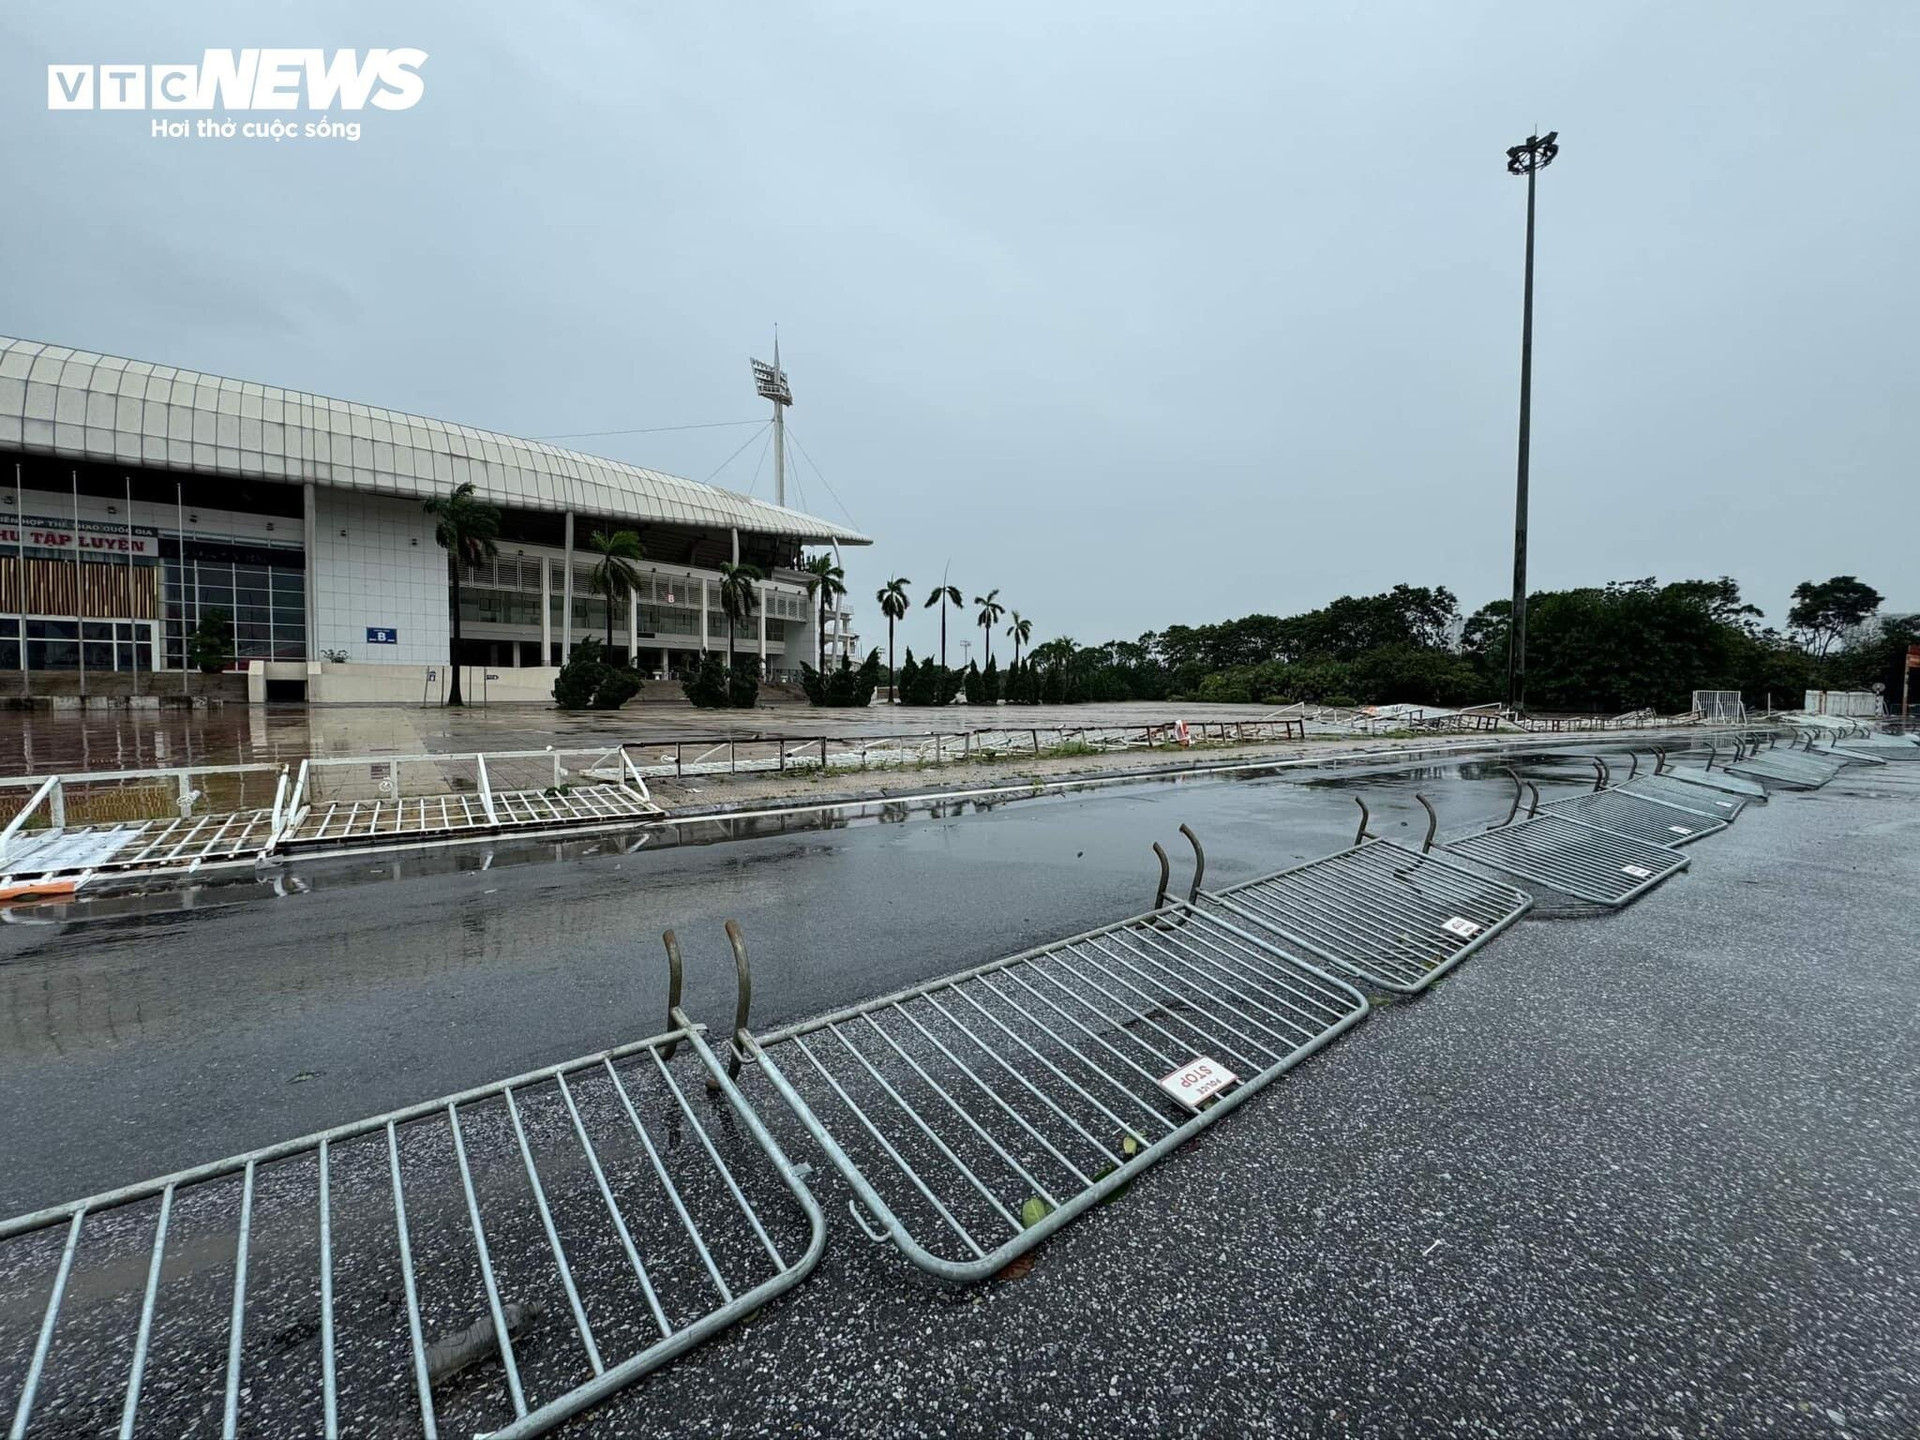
(101, 408)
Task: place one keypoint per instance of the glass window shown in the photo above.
(52, 655)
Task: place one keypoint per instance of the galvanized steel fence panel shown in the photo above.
(1882, 747)
(1791, 770)
(1717, 780)
(1658, 822)
(493, 1261)
(975, 1115)
(1576, 859)
(1388, 914)
(1686, 794)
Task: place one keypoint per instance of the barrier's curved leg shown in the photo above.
(743, 1002)
(1533, 805)
(1599, 774)
(1361, 834)
(1433, 822)
(1519, 794)
(1633, 767)
(1199, 863)
(676, 977)
(1166, 874)
(1660, 759)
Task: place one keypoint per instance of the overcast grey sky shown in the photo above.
(1144, 314)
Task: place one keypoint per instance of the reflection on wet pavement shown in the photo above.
(41, 741)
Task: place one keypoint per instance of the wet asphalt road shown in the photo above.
(1671, 1158)
(1652, 1174)
(141, 1037)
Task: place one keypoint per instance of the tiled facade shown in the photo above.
(375, 565)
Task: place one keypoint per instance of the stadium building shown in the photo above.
(136, 497)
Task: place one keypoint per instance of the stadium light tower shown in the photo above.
(1527, 159)
(770, 383)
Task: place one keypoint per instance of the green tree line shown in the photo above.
(1613, 648)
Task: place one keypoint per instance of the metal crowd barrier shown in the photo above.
(1789, 769)
(1379, 911)
(1881, 747)
(975, 1115)
(1706, 777)
(1584, 861)
(493, 1261)
(1655, 821)
(1674, 790)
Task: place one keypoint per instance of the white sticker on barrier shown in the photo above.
(1636, 871)
(1198, 1079)
(1681, 829)
(1724, 804)
(1461, 926)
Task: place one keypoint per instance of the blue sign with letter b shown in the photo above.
(377, 635)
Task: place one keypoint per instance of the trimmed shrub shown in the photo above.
(588, 682)
(845, 688)
(710, 686)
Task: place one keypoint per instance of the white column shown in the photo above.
(310, 542)
(20, 579)
(546, 613)
(763, 627)
(566, 593)
(633, 626)
(703, 616)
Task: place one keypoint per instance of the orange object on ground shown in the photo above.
(38, 890)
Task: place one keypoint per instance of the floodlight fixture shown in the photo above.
(1536, 152)
(770, 383)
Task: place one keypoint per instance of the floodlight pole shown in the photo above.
(779, 436)
(1527, 159)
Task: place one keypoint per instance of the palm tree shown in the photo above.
(893, 605)
(466, 529)
(990, 612)
(944, 595)
(1021, 630)
(615, 577)
(739, 594)
(829, 583)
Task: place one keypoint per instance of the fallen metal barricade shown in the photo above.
(364, 800)
(975, 1115)
(1677, 791)
(1789, 769)
(1705, 777)
(80, 827)
(1643, 817)
(1653, 820)
(1393, 916)
(1584, 861)
(1826, 746)
(1870, 744)
(494, 1261)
